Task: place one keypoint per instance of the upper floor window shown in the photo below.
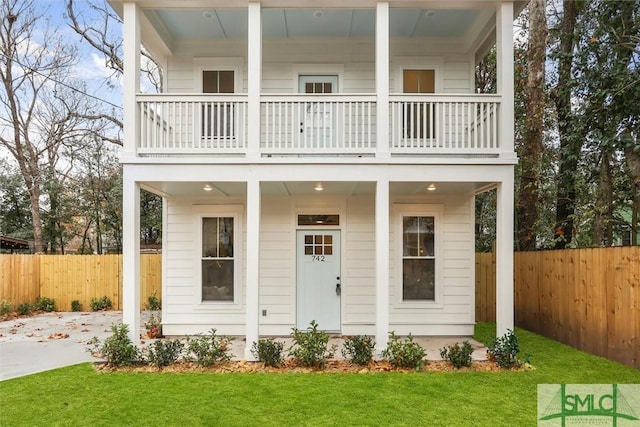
(218, 81)
(218, 117)
(418, 117)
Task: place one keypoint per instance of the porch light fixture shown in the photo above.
(318, 13)
(431, 187)
(207, 14)
(319, 187)
(429, 13)
(207, 187)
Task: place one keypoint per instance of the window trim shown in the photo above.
(433, 210)
(234, 212)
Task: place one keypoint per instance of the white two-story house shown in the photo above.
(318, 160)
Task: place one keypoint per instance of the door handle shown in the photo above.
(338, 289)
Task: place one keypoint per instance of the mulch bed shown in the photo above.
(290, 366)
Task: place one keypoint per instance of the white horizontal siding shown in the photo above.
(359, 302)
(184, 314)
(458, 285)
(277, 272)
(356, 56)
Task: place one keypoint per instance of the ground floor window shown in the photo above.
(418, 258)
(218, 259)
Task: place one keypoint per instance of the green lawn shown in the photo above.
(79, 395)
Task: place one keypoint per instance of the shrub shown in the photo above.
(76, 305)
(163, 353)
(118, 350)
(5, 307)
(268, 352)
(503, 350)
(404, 353)
(46, 304)
(205, 350)
(98, 304)
(153, 303)
(358, 349)
(458, 355)
(24, 309)
(311, 347)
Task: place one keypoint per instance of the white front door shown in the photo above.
(318, 119)
(318, 279)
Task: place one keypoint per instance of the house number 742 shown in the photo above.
(318, 258)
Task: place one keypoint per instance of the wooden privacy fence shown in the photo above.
(65, 278)
(586, 298)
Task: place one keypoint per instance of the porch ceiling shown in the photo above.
(198, 25)
(308, 188)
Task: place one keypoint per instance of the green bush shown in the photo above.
(358, 349)
(5, 307)
(503, 350)
(163, 352)
(98, 304)
(404, 353)
(153, 303)
(311, 347)
(458, 355)
(24, 309)
(206, 350)
(46, 304)
(118, 350)
(268, 352)
(76, 305)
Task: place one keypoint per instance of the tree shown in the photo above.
(531, 149)
(29, 68)
(15, 215)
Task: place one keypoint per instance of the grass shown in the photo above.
(80, 396)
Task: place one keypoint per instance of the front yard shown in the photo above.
(80, 395)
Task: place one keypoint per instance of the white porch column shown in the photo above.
(382, 265)
(504, 59)
(382, 79)
(504, 255)
(254, 67)
(253, 266)
(131, 255)
(131, 77)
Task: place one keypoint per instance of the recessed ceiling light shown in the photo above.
(319, 187)
(429, 13)
(207, 14)
(318, 13)
(431, 187)
(207, 188)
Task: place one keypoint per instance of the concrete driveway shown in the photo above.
(51, 340)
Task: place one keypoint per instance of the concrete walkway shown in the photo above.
(55, 340)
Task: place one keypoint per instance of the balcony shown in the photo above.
(327, 124)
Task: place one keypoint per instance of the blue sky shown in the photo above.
(91, 67)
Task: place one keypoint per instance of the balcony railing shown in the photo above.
(328, 124)
(318, 124)
(446, 124)
(193, 124)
